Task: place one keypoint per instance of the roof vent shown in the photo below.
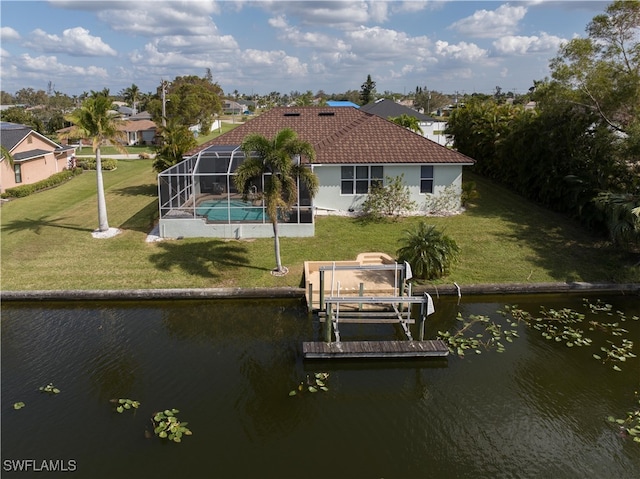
(292, 114)
(327, 113)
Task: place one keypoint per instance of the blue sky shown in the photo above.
(284, 46)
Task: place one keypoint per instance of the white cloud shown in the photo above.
(8, 34)
(274, 60)
(343, 14)
(49, 65)
(294, 37)
(386, 44)
(154, 19)
(377, 11)
(463, 51)
(520, 45)
(491, 24)
(74, 41)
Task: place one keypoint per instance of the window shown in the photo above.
(426, 179)
(358, 179)
(18, 173)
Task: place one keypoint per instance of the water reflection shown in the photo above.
(537, 409)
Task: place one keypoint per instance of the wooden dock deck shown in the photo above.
(375, 349)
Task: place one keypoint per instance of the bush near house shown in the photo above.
(53, 180)
(391, 199)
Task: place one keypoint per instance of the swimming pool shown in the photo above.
(233, 210)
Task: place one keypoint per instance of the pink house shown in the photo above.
(35, 157)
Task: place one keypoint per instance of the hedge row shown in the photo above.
(108, 164)
(53, 180)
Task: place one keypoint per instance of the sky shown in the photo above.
(75, 46)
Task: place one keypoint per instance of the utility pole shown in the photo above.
(164, 102)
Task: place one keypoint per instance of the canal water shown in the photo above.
(538, 409)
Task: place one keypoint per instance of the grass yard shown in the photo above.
(46, 243)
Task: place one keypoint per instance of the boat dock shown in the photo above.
(374, 289)
(375, 349)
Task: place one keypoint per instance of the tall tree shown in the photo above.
(176, 141)
(131, 95)
(429, 100)
(367, 91)
(190, 100)
(603, 70)
(601, 74)
(21, 116)
(94, 120)
(275, 165)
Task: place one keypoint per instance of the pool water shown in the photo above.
(234, 210)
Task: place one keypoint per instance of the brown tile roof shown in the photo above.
(136, 125)
(344, 135)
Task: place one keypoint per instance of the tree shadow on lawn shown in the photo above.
(564, 249)
(144, 219)
(150, 189)
(36, 225)
(207, 258)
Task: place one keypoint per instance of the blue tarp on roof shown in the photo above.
(342, 103)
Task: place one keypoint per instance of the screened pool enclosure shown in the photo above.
(198, 198)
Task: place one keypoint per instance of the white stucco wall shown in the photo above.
(198, 228)
(434, 131)
(447, 181)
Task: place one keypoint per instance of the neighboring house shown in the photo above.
(354, 149)
(230, 107)
(139, 132)
(143, 115)
(125, 111)
(35, 157)
(138, 128)
(432, 128)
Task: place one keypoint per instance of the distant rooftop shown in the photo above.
(342, 103)
(388, 108)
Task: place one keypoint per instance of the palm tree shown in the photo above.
(6, 154)
(131, 94)
(95, 120)
(409, 122)
(429, 252)
(275, 164)
(176, 141)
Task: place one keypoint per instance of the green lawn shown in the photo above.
(46, 243)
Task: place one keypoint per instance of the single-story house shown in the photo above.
(354, 149)
(35, 157)
(139, 132)
(230, 107)
(432, 128)
(139, 129)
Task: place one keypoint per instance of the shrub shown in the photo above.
(429, 251)
(387, 201)
(446, 203)
(108, 164)
(469, 192)
(53, 180)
